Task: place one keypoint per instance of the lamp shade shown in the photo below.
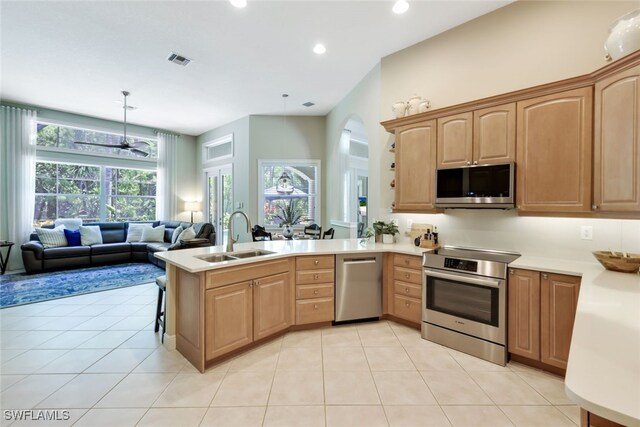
(192, 206)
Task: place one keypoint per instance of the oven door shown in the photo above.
(469, 304)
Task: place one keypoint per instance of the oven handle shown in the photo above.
(472, 280)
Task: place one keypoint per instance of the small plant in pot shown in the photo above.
(388, 232)
(378, 227)
(288, 217)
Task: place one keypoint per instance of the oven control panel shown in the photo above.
(461, 264)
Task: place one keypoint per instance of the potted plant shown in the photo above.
(378, 226)
(389, 230)
(288, 217)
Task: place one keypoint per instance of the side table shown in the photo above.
(4, 260)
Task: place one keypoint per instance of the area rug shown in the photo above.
(18, 289)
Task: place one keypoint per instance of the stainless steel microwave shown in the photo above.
(476, 187)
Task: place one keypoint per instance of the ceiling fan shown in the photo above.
(133, 147)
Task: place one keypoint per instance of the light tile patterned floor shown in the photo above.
(97, 356)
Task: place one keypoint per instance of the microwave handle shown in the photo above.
(472, 280)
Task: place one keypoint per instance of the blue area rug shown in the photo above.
(18, 289)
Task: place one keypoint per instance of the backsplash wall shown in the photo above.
(533, 236)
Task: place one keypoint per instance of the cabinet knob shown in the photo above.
(406, 290)
(545, 276)
(315, 306)
(468, 163)
(315, 276)
(251, 285)
(511, 271)
(316, 262)
(406, 304)
(594, 207)
(406, 275)
(406, 261)
(315, 292)
(475, 162)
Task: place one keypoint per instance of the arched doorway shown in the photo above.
(355, 148)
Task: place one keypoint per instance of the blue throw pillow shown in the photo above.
(73, 237)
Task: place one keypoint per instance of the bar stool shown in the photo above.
(160, 310)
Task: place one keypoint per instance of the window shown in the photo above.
(303, 191)
(93, 193)
(218, 149)
(63, 137)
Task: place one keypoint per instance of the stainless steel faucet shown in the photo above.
(231, 240)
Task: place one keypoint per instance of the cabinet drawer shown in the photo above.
(407, 308)
(314, 291)
(407, 261)
(314, 310)
(314, 262)
(314, 276)
(407, 289)
(407, 275)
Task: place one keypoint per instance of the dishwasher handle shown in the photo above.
(371, 260)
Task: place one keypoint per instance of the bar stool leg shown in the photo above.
(158, 312)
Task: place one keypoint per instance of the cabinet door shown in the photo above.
(455, 140)
(524, 313)
(228, 318)
(415, 167)
(559, 298)
(616, 179)
(271, 305)
(494, 135)
(554, 152)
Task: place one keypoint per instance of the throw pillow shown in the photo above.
(176, 233)
(150, 234)
(52, 237)
(90, 235)
(73, 237)
(69, 223)
(135, 232)
(187, 234)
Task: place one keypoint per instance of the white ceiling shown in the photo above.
(77, 56)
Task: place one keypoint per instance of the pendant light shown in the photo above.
(285, 183)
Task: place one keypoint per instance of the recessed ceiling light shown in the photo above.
(238, 3)
(308, 104)
(319, 49)
(400, 7)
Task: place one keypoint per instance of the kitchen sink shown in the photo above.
(251, 254)
(217, 258)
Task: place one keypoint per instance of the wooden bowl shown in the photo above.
(617, 262)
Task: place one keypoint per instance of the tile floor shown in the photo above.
(96, 355)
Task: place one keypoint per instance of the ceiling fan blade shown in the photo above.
(137, 143)
(140, 152)
(99, 145)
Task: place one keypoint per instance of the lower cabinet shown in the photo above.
(238, 314)
(541, 312)
(404, 288)
(315, 283)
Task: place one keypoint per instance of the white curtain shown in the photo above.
(166, 193)
(17, 178)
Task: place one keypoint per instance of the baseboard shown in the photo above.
(169, 342)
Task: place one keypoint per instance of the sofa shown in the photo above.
(114, 249)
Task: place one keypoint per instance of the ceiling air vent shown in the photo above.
(178, 59)
(308, 104)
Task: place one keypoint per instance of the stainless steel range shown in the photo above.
(464, 296)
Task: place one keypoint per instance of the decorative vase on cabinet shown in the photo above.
(624, 36)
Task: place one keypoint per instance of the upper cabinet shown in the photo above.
(415, 166)
(455, 140)
(485, 136)
(554, 146)
(494, 134)
(616, 171)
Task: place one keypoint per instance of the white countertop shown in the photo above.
(186, 258)
(603, 373)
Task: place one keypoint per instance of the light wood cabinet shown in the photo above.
(494, 134)
(403, 287)
(455, 140)
(616, 171)
(541, 312)
(228, 319)
(271, 305)
(315, 284)
(558, 305)
(554, 152)
(415, 167)
(524, 313)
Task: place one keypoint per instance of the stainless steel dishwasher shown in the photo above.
(358, 286)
